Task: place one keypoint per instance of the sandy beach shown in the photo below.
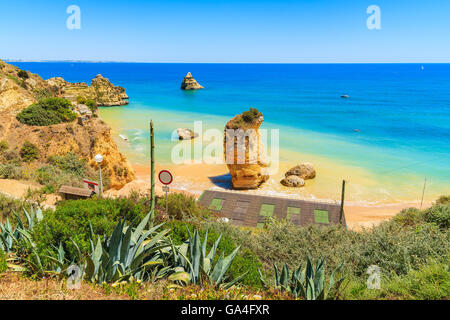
(196, 178)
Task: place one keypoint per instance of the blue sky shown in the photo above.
(227, 31)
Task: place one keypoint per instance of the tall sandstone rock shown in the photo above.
(244, 151)
(189, 83)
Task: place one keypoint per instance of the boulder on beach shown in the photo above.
(186, 134)
(189, 83)
(293, 182)
(304, 170)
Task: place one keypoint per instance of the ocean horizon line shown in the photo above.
(223, 62)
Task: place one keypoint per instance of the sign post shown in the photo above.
(166, 178)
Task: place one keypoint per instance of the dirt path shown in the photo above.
(17, 189)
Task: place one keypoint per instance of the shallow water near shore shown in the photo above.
(391, 134)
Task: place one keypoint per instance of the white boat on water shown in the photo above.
(123, 137)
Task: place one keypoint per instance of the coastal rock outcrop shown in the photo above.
(186, 134)
(189, 83)
(85, 141)
(101, 90)
(114, 164)
(293, 182)
(304, 170)
(243, 151)
(296, 176)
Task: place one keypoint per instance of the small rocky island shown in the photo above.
(189, 83)
(252, 173)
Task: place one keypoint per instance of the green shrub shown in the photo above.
(8, 206)
(71, 220)
(88, 102)
(29, 152)
(53, 177)
(182, 206)
(3, 146)
(431, 281)
(245, 260)
(23, 74)
(63, 170)
(438, 214)
(443, 200)
(40, 94)
(11, 171)
(252, 114)
(409, 217)
(47, 112)
(69, 163)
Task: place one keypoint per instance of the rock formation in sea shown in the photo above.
(296, 176)
(101, 90)
(293, 182)
(86, 140)
(304, 170)
(186, 134)
(243, 149)
(189, 83)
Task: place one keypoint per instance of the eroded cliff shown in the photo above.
(19, 90)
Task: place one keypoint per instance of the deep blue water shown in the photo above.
(401, 111)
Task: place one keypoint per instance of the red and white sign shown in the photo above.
(91, 185)
(165, 177)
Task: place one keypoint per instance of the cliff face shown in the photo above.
(189, 83)
(244, 151)
(84, 140)
(103, 92)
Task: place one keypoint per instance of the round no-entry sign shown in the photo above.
(165, 177)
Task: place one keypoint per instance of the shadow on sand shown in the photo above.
(222, 181)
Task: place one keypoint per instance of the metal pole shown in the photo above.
(152, 167)
(167, 205)
(342, 202)
(101, 181)
(423, 192)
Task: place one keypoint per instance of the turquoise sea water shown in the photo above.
(395, 125)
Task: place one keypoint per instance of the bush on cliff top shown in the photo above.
(29, 152)
(23, 74)
(251, 115)
(88, 102)
(47, 112)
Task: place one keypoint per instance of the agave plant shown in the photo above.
(126, 253)
(9, 236)
(309, 283)
(192, 259)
